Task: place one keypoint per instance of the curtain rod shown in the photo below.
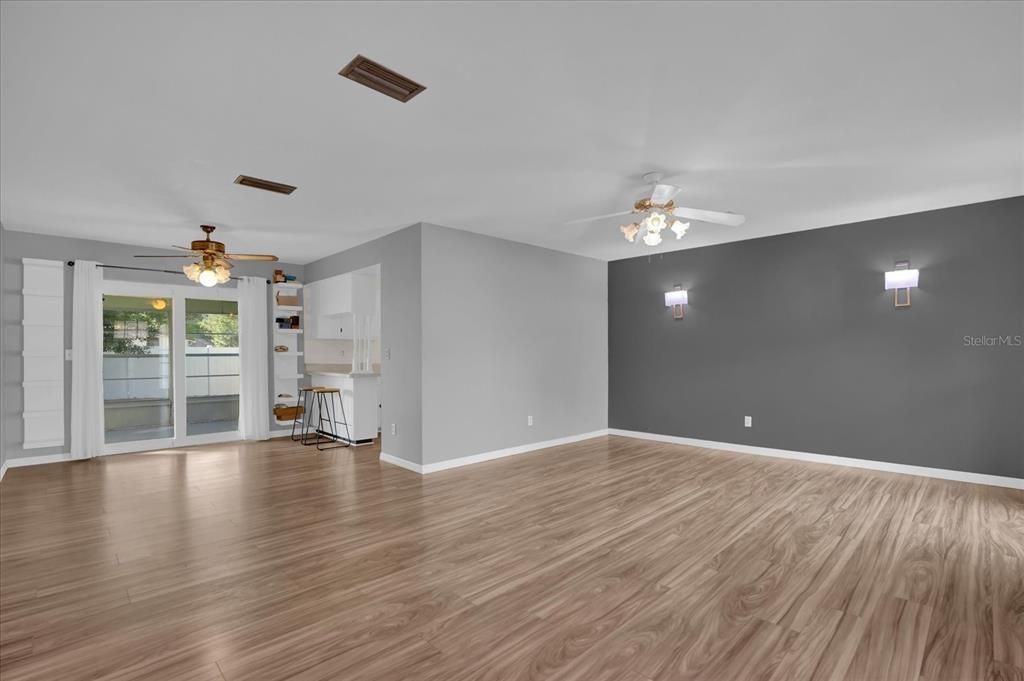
(71, 263)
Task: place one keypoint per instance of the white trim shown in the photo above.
(3, 470)
(20, 461)
(401, 463)
(905, 469)
(424, 469)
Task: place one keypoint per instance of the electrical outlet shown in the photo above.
(394, 429)
(529, 420)
(387, 353)
(748, 421)
(67, 354)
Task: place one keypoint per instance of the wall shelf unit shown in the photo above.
(287, 365)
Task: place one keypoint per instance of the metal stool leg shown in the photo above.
(309, 402)
(299, 413)
(328, 414)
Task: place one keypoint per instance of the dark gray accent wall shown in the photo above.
(796, 331)
(18, 245)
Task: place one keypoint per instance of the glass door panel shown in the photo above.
(211, 366)
(138, 396)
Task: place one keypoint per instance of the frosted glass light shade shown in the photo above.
(676, 297)
(901, 279)
(208, 278)
(652, 238)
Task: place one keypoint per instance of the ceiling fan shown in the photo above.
(214, 266)
(658, 208)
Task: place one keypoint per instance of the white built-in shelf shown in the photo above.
(289, 377)
(288, 284)
(288, 330)
(288, 354)
(283, 423)
(288, 308)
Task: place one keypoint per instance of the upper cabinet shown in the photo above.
(336, 305)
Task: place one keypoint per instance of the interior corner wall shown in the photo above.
(399, 255)
(3, 350)
(796, 331)
(18, 245)
(509, 331)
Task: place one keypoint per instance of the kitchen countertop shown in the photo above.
(335, 370)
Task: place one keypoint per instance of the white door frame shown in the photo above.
(176, 293)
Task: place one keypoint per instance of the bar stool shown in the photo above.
(303, 418)
(328, 413)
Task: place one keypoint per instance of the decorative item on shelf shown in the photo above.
(280, 348)
(901, 279)
(289, 277)
(294, 319)
(285, 299)
(285, 412)
(278, 276)
(676, 299)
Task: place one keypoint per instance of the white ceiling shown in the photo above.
(128, 122)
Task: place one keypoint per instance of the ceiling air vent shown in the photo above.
(266, 185)
(380, 78)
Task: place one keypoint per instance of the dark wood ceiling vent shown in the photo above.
(380, 78)
(267, 185)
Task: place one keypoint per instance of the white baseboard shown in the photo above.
(424, 469)
(401, 463)
(906, 469)
(20, 461)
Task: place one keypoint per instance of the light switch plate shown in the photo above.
(748, 421)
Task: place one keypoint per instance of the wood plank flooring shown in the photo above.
(606, 560)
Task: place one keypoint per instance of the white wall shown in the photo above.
(509, 330)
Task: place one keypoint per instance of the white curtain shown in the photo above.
(254, 386)
(87, 361)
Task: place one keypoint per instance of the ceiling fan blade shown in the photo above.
(250, 256)
(600, 217)
(165, 256)
(713, 216)
(663, 193)
(183, 248)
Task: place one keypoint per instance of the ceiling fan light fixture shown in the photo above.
(680, 228)
(630, 231)
(652, 238)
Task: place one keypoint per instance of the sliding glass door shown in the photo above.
(138, 396)
(171, 366)
(211, 366)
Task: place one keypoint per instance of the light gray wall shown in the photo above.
(3, 349)
(398, 254)
(509, 330)
(18, 245)
(796, 331)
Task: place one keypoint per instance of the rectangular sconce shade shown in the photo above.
(676, 297)
(898, 279)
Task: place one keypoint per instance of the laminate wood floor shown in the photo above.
(609, 559)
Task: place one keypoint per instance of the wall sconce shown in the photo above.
(676, 299)
(901, 279)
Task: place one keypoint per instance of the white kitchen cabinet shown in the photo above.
(333, 303)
